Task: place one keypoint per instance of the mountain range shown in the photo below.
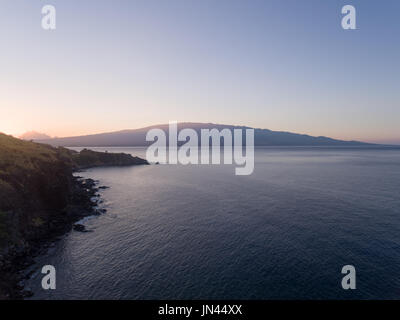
(137, 137)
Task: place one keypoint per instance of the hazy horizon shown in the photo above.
(37, 133)
(278, 65)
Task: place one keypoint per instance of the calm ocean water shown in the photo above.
(200, 232)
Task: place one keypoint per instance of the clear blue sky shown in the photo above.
(277, 64)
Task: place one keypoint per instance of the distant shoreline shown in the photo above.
(137, 137)
(371, 146)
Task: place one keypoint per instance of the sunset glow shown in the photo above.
(259, 66)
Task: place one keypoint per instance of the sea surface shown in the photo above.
(201, 232)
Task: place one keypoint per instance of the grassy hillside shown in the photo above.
(29, 174)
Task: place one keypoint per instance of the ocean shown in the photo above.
(201, 232)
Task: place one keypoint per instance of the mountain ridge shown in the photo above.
(137, 137)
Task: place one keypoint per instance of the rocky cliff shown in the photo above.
(40, 199)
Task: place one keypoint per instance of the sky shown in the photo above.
(285, 65)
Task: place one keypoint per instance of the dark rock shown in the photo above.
(79, 227)
(27, 293)
(98, 212)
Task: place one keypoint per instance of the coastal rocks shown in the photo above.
(83, 202)
(88, 185)
(100, 211)
(79, 227)
(26, 293)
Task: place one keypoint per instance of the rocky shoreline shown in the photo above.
(41, 199)
(84, 203)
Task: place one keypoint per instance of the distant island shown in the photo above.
(137, 137)
(40, 199)
(33, 135)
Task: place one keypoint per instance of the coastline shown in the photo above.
(84, 203)
(41, 199)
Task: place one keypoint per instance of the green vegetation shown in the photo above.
(37, 221)
(18, 155)
(88, 158)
